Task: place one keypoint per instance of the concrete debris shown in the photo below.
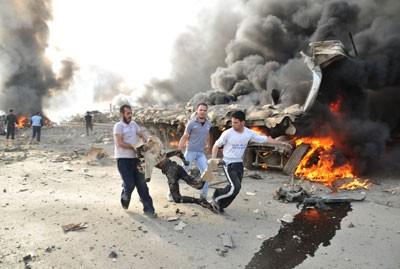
(227, 240)
(287, 218)
(351, 225)
(290, 194)
(393, 191)
(113, 255)
(74, 227)
(50, 249)
(180, 226)
(68, 168)
(260, 236)
(253, 175)
(250, 193)
(171, 219)
(222, 252)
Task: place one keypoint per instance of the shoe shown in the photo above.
(215, 207)
(152, 215)
(125, 200)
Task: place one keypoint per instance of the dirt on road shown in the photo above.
(44, 187)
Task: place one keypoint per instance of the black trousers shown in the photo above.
(225, 196)
(128, 169)
(89, 126)
(10, 132)
(36, 131)
(174, 173)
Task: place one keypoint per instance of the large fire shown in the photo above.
(319, 165)
(22, 121)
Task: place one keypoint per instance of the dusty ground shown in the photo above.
(46, 186)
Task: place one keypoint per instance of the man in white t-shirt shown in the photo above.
(126, 136)
(234, 141)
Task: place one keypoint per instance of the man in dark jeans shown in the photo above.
(36, 123)
(126, 135)
(11, 121)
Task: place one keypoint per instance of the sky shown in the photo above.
(130, 38)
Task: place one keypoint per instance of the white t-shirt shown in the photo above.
(129, 136)
(235, 143)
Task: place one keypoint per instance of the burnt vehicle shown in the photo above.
(276, 119)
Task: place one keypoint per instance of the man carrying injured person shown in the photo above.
(234, 142)
(154, 156)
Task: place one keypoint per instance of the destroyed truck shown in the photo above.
(275, 120)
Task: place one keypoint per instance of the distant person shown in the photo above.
(36, 123)
(126, 135)
(89, 123)
(197, 137)
(11, 122)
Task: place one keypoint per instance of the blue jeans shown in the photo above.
(128, 168)
(201, 162)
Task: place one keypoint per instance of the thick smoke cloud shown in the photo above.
(262, 56)
(26, 76)
(196, 55)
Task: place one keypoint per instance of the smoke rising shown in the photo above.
(26, 76)
(261, 56)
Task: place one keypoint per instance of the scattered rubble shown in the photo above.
(180, 226)
(74, 227)
(287, 218)
(227, 240)
(260, 236)
(113, 255)
(171, 219)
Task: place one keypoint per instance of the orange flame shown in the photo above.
(259, 130)
(21, 121)
(319, 165)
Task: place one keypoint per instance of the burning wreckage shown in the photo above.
(276, 120)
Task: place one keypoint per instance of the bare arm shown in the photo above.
(183, 141)
(208, 142)
(120, 143)
(214, 152)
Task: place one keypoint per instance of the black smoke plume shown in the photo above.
(26, 75)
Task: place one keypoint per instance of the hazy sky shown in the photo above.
(124, 36)
(130, 38)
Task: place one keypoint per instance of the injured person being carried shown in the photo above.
(154, 155)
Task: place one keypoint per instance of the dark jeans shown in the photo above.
(10, 132)
(36, 130)
(128, 168)
(225, 196)
(174, 173)
(89, 126)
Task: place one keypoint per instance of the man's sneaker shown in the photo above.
(215, 207)
(152, 215)
(125, 200)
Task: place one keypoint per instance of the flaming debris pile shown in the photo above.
(322, 165)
